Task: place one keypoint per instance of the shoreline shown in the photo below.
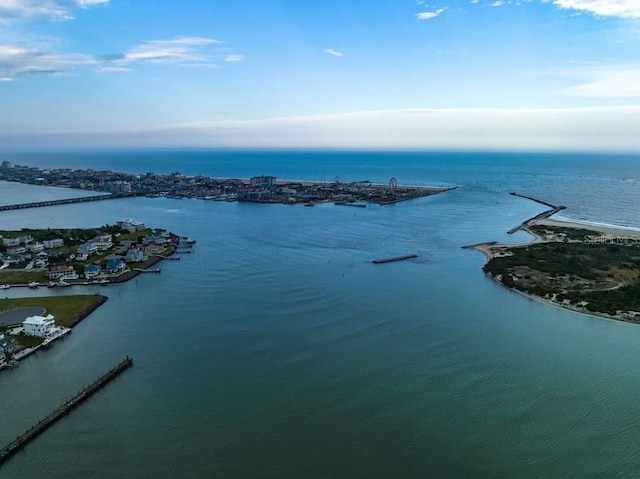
(492, 249)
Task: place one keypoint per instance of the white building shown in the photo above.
(53, 243)
(131, 225)
(36, 247)
(103, 242)
(40, 326)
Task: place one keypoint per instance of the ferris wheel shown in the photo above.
(393, 184)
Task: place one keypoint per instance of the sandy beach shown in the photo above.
(608, 230)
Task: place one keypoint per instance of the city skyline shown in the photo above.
(466, 74)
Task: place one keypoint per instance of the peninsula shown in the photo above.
(585, 268)
(260, 189)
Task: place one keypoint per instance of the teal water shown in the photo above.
(278, 350)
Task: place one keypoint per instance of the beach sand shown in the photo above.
(608, 230)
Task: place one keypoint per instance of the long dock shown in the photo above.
(394, 258)
(538, 217)
(64, 409)
(513, 193)
(83, 199)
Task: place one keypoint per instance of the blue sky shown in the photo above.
(459, 74)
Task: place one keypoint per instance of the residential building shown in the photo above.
(87, 248)
(9, 241)
(35, 247)
(58, 271)
(103, 242)
(9, 346)
(114, 266)
(16, 250)
(92, 270)
(53, 243)
(135, 254)
(40, 326)
(131, 225)
(263, 181)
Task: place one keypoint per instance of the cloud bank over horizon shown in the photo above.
(461, 74)
(576, 129)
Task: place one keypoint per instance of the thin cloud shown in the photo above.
(53, 9)
(609, 82)
(113, 69)
(177, 50)
(18, 61)
(234, 58)
(429, 15)
(333, 52)
(21, 61)
(603, 8)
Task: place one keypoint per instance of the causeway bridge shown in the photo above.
(82, 199)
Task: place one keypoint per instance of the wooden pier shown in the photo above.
(33, 432)
(394, 258)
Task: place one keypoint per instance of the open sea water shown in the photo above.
(277, 349)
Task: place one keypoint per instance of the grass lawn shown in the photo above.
(22, 277)
(64, 308)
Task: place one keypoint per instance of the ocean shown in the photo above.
(277, 349)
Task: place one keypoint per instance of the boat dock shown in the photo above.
(42, 425)
(394, 258)
(140, 270)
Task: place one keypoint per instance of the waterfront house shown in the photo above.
(92, 270)
(9, 346)
(89, 248)
(40, 326)
(58, 271)
(131, 225)
(114, 266)
(53, 243)
(135, 254)
(3, 357)
(153, 247)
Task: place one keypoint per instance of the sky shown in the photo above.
(393, 74)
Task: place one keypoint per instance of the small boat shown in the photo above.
(33, 284)
(52, 284)
(5, 286)
(63, 284)
(187, 240)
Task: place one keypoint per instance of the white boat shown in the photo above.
(34, 284)
(52, 284)
(5, 286)
(63, 284)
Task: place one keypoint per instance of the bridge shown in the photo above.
(82, 199)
